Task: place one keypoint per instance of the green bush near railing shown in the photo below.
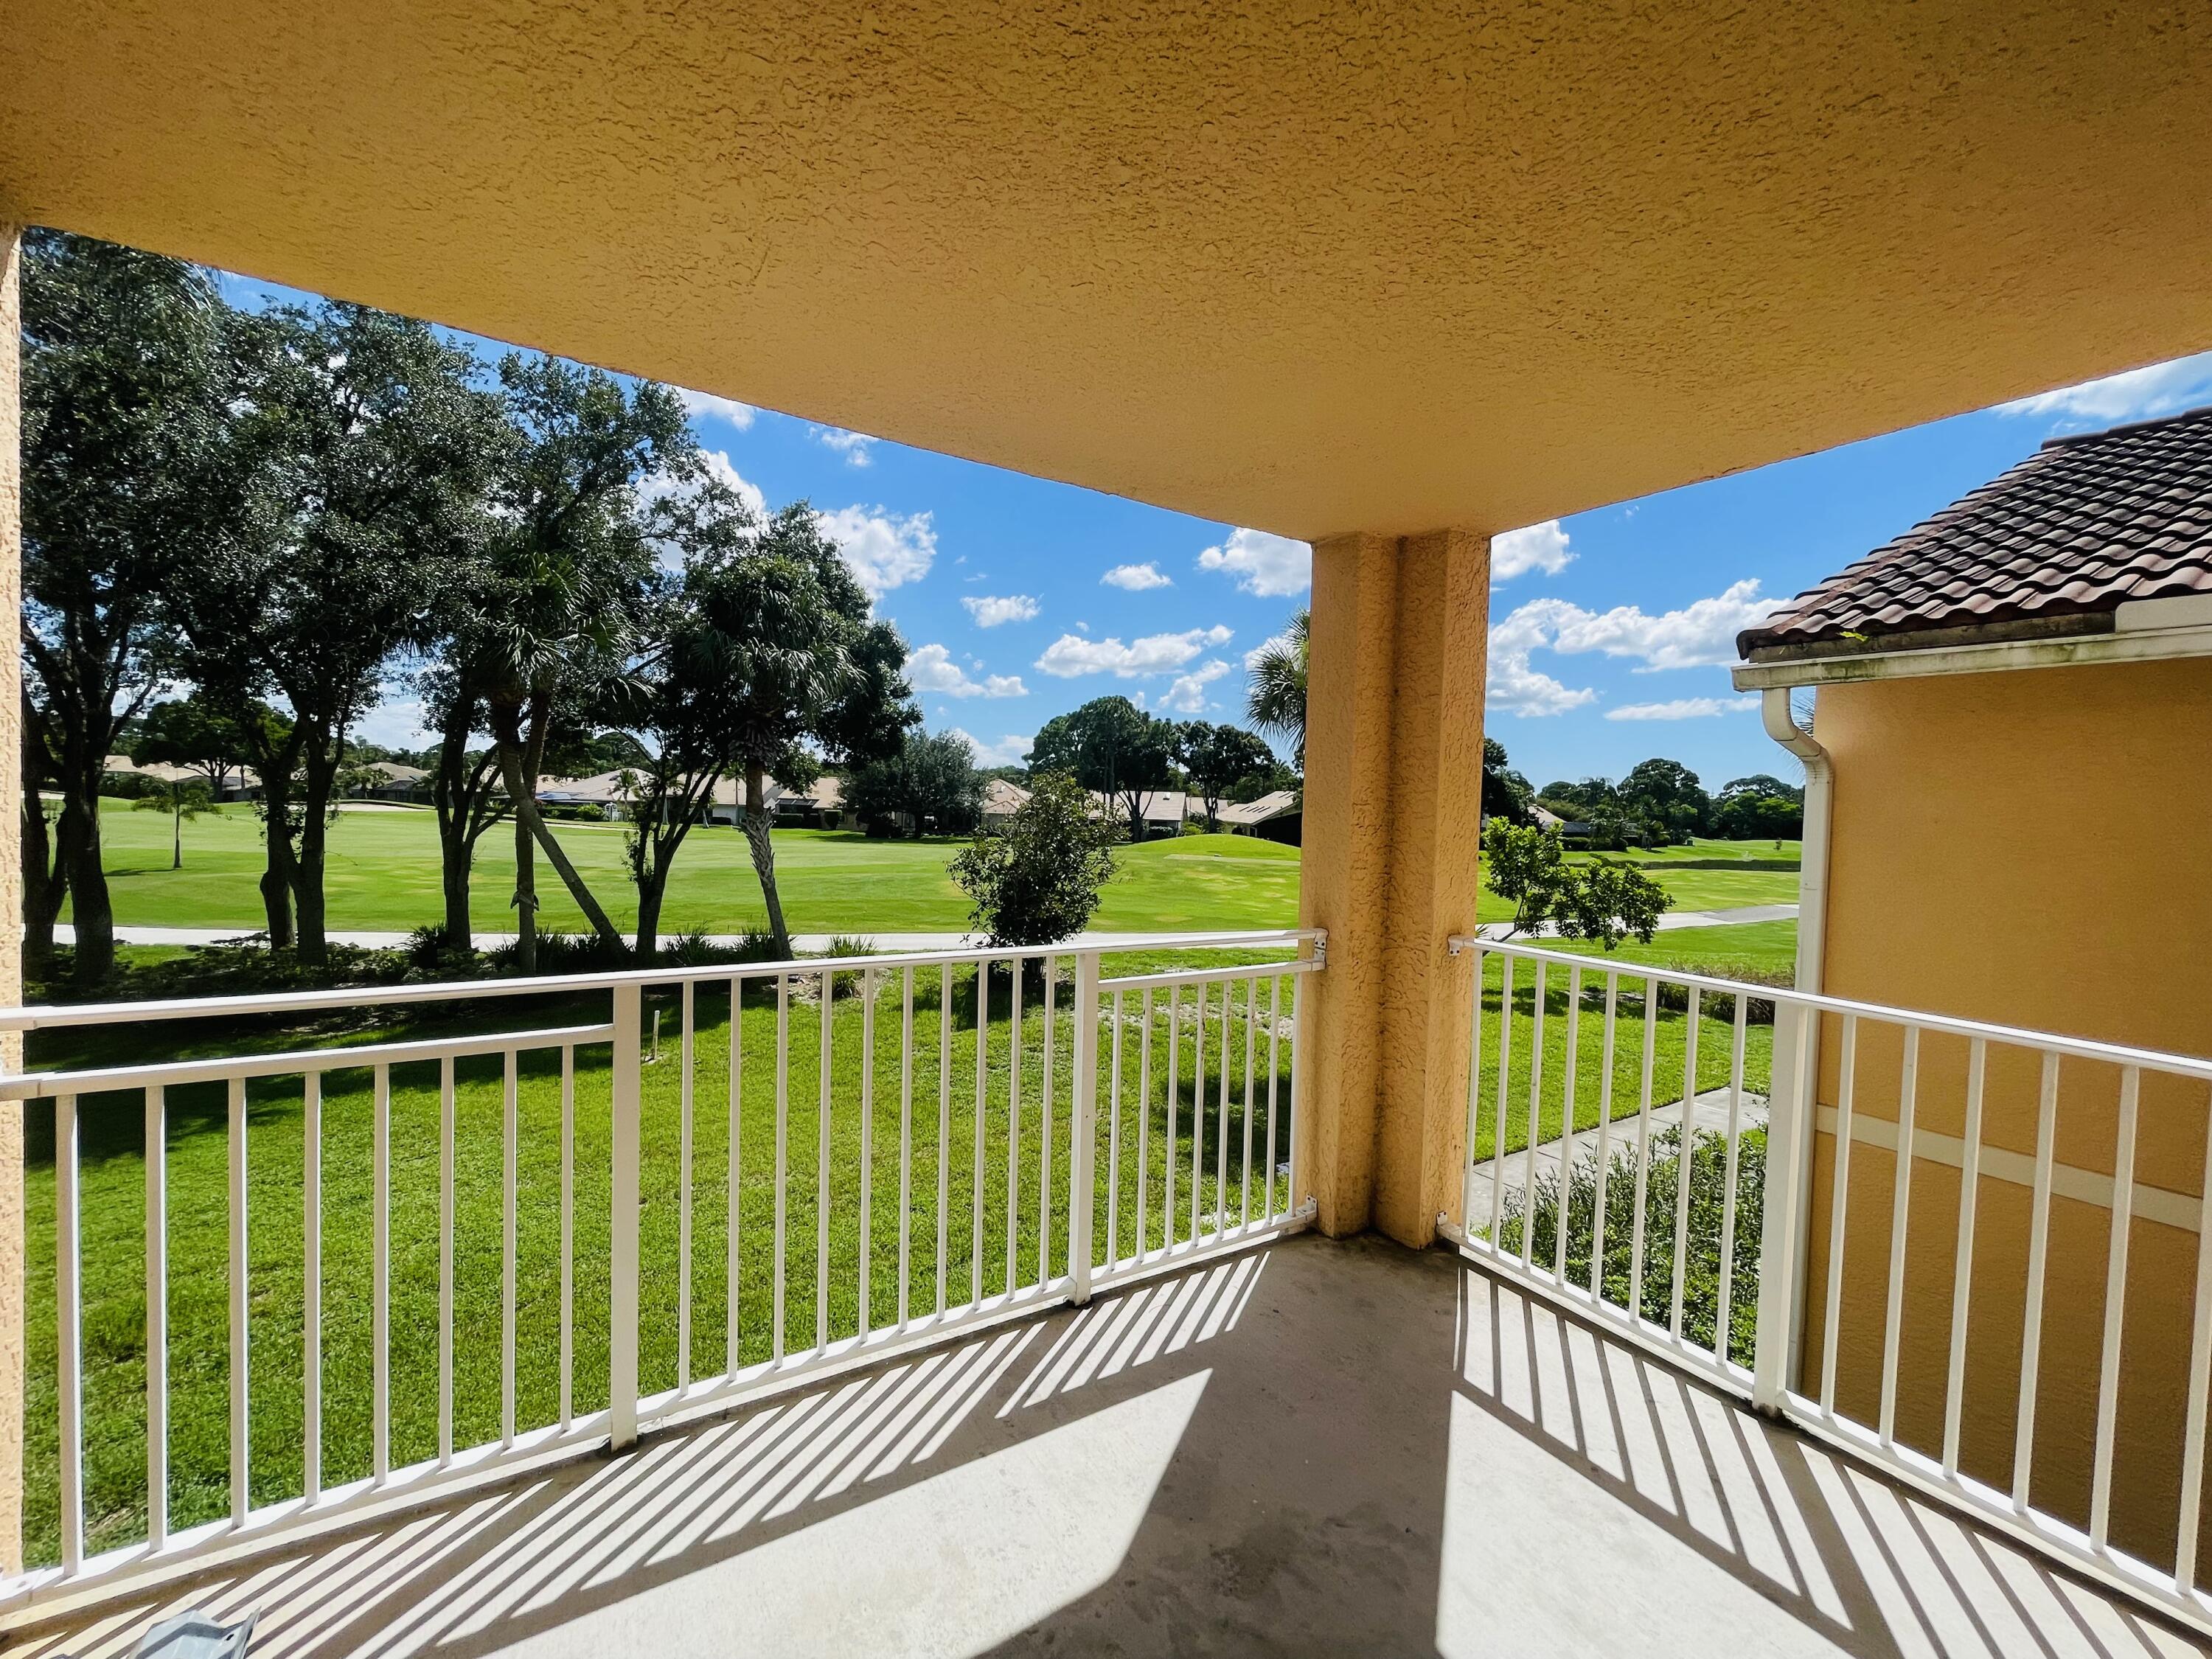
(1702, 1268)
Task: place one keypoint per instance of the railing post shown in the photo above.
(1789, 1130)
(622, 1262)
(1083, 1150)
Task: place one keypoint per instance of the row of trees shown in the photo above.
(281, 508)
(1112, 746)
(1661, 801)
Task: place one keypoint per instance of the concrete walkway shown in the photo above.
(1711, 1118)
(1317, 1448)
(65, 935)
(1739, 916)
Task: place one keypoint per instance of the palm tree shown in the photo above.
(1275, 700)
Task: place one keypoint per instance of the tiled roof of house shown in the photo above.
(1276, 804)
(2078, 528)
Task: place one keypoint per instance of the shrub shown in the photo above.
(1708, 1202)
(431, 953)
(1035, 879)
(129, 786)
(563, 953)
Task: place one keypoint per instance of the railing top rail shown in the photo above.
(1209, 975)
(67, 1015)
(103, 1079)
(2113, 1054)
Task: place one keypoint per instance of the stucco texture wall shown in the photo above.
(1319, 269)
(1393, 823)
(2029, 848)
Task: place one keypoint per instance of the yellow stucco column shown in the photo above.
(1393, 823)
(11, 904)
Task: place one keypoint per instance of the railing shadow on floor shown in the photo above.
(481, 1572)
(1859, 1560)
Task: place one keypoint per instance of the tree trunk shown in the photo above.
(309, 902)
(763, 852)
(46, 884)
(92, 916)
(177, 836)
(278, 826)
(648, 916)
(530, 825)
(525, 894)
(276, 881)
(457, 854)
(456, 804)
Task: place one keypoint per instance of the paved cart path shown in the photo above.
(1711, 1118)
(925, 941)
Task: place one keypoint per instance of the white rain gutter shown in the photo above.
(1796, 1068)
(1813, 877)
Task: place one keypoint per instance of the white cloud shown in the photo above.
(1274, 641)
(930, 668)
(1188, 694)
(738, 414)
(1009, 751)
(718, 467)
(1682, 708)
(1701, 634)
(2140, 393)
(852, 446)
(884, 549)
(1155, 653)
(1539, 547)
(1268, 565)
(1515, 688)
(990, 611)
(1136, 577)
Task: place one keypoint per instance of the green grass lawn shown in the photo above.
(383, 877)
(1765, 952)
(1700, 850)
(114, 1235)
(113, 1244)
(1669, 1043)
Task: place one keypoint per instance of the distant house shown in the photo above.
(819, 806)
(1279, 816)
(1164, 810)
(400, 782)
(612, 792)
(1001, 800)
(236, 782)
(1569, 829)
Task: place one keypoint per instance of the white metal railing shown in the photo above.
(894, 1171)
(1897, 1313)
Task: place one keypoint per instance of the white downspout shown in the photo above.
(1812, 879)
(1790, 1124)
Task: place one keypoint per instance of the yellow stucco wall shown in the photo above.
(1393, 821)
(1314, 269)
(2033, 849)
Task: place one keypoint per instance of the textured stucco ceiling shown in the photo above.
(1311, 268)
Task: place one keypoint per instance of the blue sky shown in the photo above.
(1610, 630)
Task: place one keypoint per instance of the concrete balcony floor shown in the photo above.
(1316, 1448)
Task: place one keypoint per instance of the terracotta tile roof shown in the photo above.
(2081, 525)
